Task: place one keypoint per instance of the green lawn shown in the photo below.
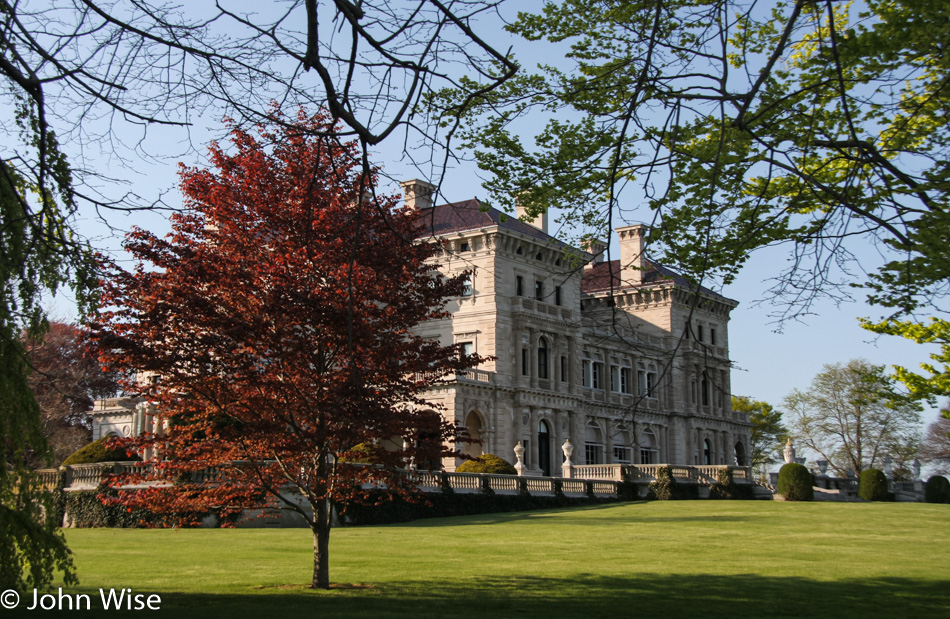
(658, 559)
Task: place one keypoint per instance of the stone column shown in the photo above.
(608, 441)
(533, 359)
(533, 433)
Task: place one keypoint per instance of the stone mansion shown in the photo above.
(623, 357)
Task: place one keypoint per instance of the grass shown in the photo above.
(666, 559)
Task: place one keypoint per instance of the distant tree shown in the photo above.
(278, 315)
(935, 446)
(66, 378)
(767, 434)
(853, 416)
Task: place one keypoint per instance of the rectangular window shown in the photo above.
(519, 285)
(646, 382)
(621, 455)
(712, 336)
(539, 290)
(585, 366)
(467, 288)
(468, 348)
(524, 361)
(699, 333)
(563, 369)
(592, 453)
(625, 380)
(557, 295)
(597, 375)
(615, 378)
(686, 330)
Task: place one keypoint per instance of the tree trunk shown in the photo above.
(321, 545)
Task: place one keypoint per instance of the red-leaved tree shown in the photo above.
(278, 317)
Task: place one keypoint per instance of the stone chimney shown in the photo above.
(540, 222)
(596, 247)
(632, 260)
(418, 194)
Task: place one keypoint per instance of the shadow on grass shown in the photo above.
(542, 516)
(580, 596)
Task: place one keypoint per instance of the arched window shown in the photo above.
(740, 455)
(707, 452)
(542, 358)
(593, 444)
(649, 453)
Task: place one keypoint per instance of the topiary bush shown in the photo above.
(937, 490)
(872, 485)
(98, 451)
(487, 463)
(795, 483)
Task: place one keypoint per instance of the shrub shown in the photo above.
(872, 485)
(664, 487)
(363, 453)
(937, 490)
(725, 486)
(794, 483)
(98, 451)
(487, 463)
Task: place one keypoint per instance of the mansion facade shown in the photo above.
(622, 357)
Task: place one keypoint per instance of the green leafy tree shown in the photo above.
(37, 256)
(744, 125)
(854, 416)
(767, 434)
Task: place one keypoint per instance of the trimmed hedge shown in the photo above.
(795, 483)
(872, 485)
(85, 509)
(937, 490)
(487, 463)
(97, 451)
(440, 505)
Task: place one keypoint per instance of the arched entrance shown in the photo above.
(544, 448)
(740, 455)
(473, 427)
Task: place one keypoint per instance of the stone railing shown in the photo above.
(476, 376)
(600, 480)
(701, 474)
(435, 481)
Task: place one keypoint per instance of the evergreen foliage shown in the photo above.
(99, 451)
(872, 485)
(795, 483)
(487, 463)
(937, 490)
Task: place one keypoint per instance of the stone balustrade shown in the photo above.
(591, 480)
